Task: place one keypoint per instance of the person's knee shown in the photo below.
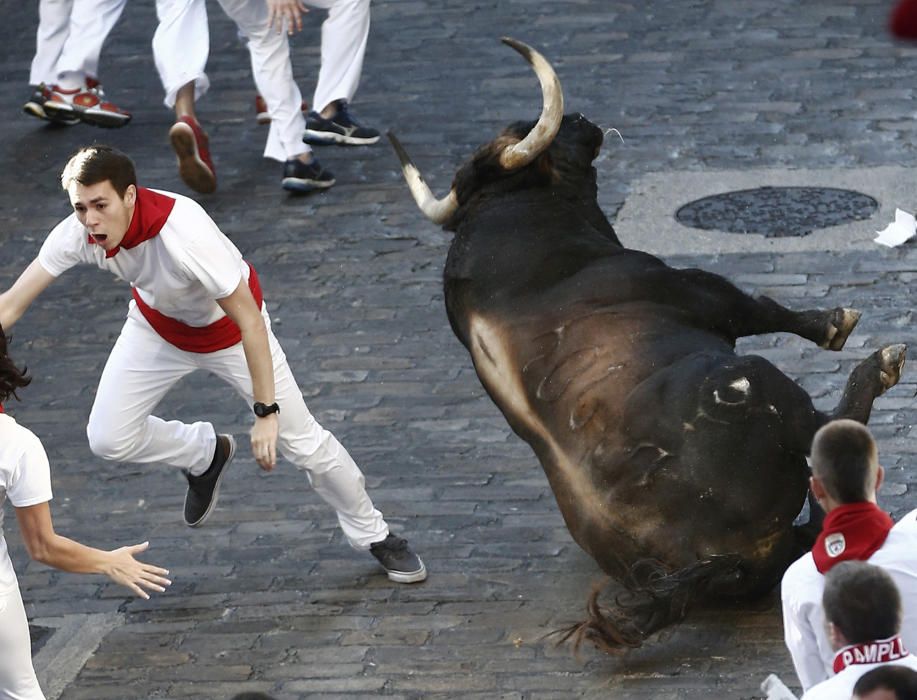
(109, 445)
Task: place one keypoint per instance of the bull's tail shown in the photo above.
(655, 598)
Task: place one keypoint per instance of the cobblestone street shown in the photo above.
(268, 596)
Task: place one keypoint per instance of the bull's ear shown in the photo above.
(545, 166)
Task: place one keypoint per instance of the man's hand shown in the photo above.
(286, 12)
(264, 441)
(122, 568)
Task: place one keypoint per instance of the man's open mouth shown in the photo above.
(99, 237)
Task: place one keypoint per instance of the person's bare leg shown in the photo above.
(191, 145)
(184, 102)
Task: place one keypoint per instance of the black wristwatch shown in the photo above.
(261, 410)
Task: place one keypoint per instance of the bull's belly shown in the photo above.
(564, 391)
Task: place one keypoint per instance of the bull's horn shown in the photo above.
(436, 210)
(539, 138)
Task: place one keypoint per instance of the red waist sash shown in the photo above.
(218, 335)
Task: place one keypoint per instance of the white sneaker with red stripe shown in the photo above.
(88, 104)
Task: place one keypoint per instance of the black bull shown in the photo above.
(677, 464)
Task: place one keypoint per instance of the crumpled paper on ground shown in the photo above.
(903, 228)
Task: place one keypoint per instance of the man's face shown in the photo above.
(105, 215)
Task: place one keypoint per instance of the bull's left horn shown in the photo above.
(539, 138)
(436, 210)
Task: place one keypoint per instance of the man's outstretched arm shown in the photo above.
(14, 301)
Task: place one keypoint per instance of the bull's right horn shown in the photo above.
(539, 138)
(436, 210)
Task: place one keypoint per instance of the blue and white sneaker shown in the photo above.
(342, 128)
(305, 177)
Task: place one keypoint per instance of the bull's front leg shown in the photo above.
(717, 303)
(870, 379)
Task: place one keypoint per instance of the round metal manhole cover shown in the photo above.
(775, 212)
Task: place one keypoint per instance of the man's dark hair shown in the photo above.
(11, 377)
(844, 456)
(862, 601)
(97, 163)
(901, 680)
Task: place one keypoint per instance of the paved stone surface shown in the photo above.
(268, 596)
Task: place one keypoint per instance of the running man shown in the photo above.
(196, 305)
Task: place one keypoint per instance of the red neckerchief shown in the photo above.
(1, 408)
(878, 652)
(851, 532)
(151, 210)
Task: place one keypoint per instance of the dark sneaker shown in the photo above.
(341, 128)
(305, 177)
(87, 104)
(262, 116)
(396, 557)
(203, 490)
(192, 147)
(35, 106)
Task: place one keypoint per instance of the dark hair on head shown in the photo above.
(901, 680)
(97, 163)
(11, 377)
(862, 601)
(845, 458)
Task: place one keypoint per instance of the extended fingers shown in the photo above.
(152, 578)
(138, 591)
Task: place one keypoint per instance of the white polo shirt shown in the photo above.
(25, 479)
(803, 615)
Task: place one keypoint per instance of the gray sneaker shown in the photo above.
(396, 557)
(201, 496)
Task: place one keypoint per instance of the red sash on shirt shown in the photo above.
(219, 335)
(151, 211)
(851, 532)
(878, 652)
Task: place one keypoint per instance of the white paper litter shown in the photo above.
(776, 690)
(903, 228)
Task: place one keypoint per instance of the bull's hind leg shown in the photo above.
(716, 303)
(870, 379)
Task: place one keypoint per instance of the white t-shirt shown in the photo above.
(179, 272)
(804, 617)
(24, 477)
(840, 687)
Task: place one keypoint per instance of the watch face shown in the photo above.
(261, 410)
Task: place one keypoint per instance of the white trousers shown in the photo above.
(181, 46)
(344, 36)
(142, 367)
(70, 37)
(17, 677)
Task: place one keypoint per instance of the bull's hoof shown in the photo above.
(841, 325)
(891, 362)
